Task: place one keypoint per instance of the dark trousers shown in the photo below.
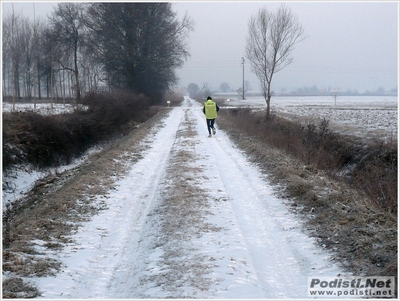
(210, 125)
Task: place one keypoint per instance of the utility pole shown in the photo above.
(243, 79)
(335, 91)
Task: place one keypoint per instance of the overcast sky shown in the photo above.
(350, 45)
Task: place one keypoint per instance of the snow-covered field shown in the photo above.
(363, 116)
(41, 108)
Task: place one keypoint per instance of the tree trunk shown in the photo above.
(63, 81)
(4, 81)
(16, 81)
(47, 87)
(38, 84)
(268, 99)
(78, 88)
(267, 115)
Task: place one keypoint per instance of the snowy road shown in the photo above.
(192, 219)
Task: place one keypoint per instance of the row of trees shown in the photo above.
(84, 47)
(330, 90)
(195, 91)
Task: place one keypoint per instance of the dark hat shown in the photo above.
(209, 97)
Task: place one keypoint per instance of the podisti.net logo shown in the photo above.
(352, 287)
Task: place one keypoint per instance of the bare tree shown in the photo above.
(39, 57)
(270, 42)
(20, 52)
(67, 34)
(26, 47)
(7, 54)
(16, 55)
(12, 57)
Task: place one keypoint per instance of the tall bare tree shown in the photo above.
(26, 46)
(12, 57)
(68, 27)
(271, 39)
(21, 52)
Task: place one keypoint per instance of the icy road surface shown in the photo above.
(192, 219)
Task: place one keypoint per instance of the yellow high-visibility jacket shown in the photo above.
(210, 108)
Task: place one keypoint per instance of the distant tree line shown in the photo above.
(195, 91)
(380, 91)
(86, 47)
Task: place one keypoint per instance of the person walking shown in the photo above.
(210, 109)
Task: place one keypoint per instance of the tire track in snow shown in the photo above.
(170, 265)
(140, 273)
(278, 256)
(216, 229)
(98, 256)
(194, 219)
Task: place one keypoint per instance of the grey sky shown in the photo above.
(351, 45)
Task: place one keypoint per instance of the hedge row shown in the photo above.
(46, 141)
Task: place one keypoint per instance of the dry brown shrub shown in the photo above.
(16, 288)
(371, 168)
(314, 174)
(45, 141)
